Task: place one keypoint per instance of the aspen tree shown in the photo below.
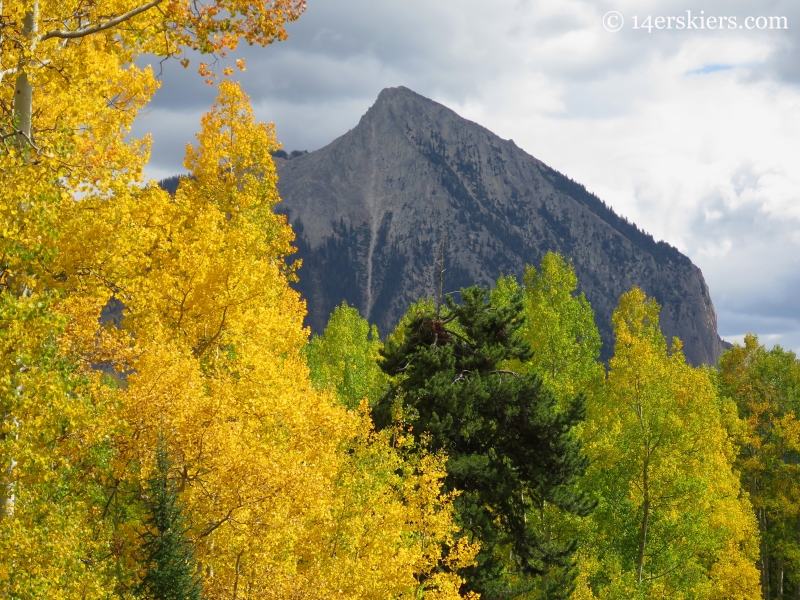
(559, 325)
(672, 519)
(765, 384)
(345, 357)
(289, 494)
(285, 493)
(42, 41)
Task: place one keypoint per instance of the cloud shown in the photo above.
(692, 134)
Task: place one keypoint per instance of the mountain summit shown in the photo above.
(370, 208)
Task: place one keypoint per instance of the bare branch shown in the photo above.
(212, 526)
(79, 33)
(504, 372)
(12, 71)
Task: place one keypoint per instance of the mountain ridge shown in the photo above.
(370, 208)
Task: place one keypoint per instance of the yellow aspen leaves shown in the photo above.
(285, 493)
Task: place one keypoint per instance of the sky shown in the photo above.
(692, 133)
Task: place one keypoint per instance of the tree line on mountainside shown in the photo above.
(199, 445)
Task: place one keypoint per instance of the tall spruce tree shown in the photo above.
(170, 569)
(509, 446)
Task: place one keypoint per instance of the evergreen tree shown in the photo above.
(171, 570)
(559, 326)
(509, 446)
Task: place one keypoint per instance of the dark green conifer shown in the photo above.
(170, 568)
(509, 447)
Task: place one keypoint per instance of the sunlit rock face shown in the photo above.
(370, 210)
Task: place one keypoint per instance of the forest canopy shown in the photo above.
(169, 430)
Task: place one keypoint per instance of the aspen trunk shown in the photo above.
(763, 560)
(23, 107)
(645, 521)
(7, 493)
(7, 497)
(547, 537)
(22, 115)
(762, 525)
(796, 574)
(23, 88)
(780, 579)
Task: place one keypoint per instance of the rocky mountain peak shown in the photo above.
(370, 209)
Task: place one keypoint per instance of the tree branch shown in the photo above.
(504, 372)
(79, 33)
(214, 526)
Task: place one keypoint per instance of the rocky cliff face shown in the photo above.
(370, 208)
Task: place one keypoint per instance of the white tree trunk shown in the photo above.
(7, 496)
(23, 89)
(23, 107)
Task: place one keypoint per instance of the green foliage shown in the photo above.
(54, 459)
(765, 384)
(560, 328)
(671, 521)
(170, 569)
(509, 446)
(344, 358)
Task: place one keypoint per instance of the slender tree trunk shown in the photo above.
(547, 537)
(23, 88)
(763, 561)
(780, 579)
(796, 573)
(762, 523)
(23, 107)
(7, 496)
(7, 492)
(22, 114)
(645, 522)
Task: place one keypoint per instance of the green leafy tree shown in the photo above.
(54, 458)
(672, 521)
(559, 326)
(765, 384)
(509, 447)
(171, 571)
(345, 357)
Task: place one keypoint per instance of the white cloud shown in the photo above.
(691, 134)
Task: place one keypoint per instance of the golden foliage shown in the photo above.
(287, 494)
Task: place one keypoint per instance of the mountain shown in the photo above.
(370, 208)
